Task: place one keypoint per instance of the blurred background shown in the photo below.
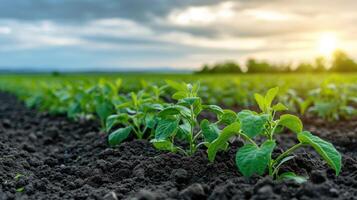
(177, 36)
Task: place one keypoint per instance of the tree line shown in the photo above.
(340, 62)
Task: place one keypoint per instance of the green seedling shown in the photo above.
(179, 121)
(104, 95)
(296, 103)
(137, 115)
(254, 158)
(21, 189)
(18, 176)
(332, 102)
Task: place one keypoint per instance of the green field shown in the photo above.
(199, 110)
(239, 83)
(222, 89)
(254, 82)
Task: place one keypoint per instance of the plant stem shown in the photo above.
(270, 168)
(202, 143)
(197, 135)
(136, 132)
(287, 152)
(273, 115)
(145, 128)
(183, 151)
(140, 133)
(273, 130)
(248, 138)
(192, 130)
(217, 122)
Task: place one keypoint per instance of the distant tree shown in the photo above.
(255, 66)
(320, 64)
(283, 68)
(230, 67)
(304, 67)
(205, 69)
(226, 67)
(55, 73)
(342, 63)
(216, 68)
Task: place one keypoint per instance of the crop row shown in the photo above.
(331, 100)
(183, 123)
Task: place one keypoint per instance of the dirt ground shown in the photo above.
(50, 157)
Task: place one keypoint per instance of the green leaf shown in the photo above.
(213, 108)
(270, 95)
(134, 99)
(228, 117)
(279, 107)
(189, 100)
(163, 145)
(284, 160)
(174, 110)
(153, 107)
(221, 141)
(291, 122)
(171, 110)
(113, 120)
(209, 131)
(324, 148)
(118, 83)
(252, 124)
(278, 129)
(166, 128)
(103, 110)
(150, 120)
(251, 159)
(119, 136)
(177, 86)
(185, 112)
(197, 108)
(179, 95)
(73, 110)
(183, 131)
(195, 88)
(123, 105)
(303, 105)
(292, 176)
(260, 101)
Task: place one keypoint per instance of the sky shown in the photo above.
(180, 34)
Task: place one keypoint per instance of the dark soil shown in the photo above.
(47, 157)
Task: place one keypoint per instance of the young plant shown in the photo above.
(254, 158)
(179, 121)
(296, 103)
(48, 98)
(331, 102)
(137, 115)
(104, 95)
(86, 99)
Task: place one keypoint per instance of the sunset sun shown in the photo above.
(327, 44)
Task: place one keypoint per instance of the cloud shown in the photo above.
(202, 15)
(183, 34)
(81, 10)
(5, 30)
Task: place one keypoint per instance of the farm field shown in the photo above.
(178, 100)
(178, 136)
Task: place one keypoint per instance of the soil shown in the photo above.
(50, 157)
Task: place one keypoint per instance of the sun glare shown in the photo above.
(327, 44)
